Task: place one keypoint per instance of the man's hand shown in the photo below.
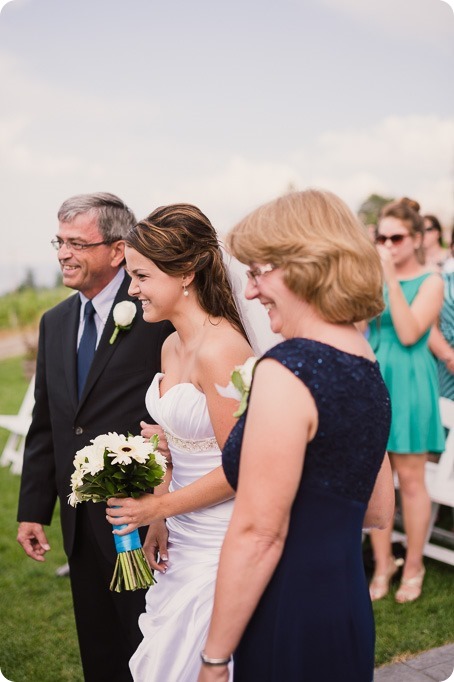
(156, 543)
(33, 539)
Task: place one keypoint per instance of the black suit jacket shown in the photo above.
(112, 400)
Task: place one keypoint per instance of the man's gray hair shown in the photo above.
(114, 218)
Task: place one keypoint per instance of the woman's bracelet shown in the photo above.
(214, 661)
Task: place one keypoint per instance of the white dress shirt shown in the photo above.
(102, 304)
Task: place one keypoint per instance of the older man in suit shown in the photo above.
(86, 386)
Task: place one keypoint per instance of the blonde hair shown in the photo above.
(323, 250)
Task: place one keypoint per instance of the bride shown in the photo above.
(178, 274)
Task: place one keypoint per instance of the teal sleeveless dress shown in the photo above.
(410, 375)
(445, 378)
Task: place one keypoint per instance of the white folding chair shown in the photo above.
(440, 485)
(18, 425)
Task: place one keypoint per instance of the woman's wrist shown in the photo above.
(150, 510)
(211, 661)
(393, 285)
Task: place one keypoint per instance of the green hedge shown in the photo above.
(25, 307)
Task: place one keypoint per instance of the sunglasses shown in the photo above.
(393, 238)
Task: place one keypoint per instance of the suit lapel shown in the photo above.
(105, 349)
(70, 326)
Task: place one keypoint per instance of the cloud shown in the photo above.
(18, 156)
(409, 155)
(57, 140)
(426, 20)
(237, 187)
(56, 131)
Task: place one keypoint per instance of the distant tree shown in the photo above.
(28, 282)
(370, 209)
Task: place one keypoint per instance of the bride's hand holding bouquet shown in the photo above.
(114, 467)
(130, 513)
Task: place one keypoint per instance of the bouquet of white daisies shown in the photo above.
(115, 465)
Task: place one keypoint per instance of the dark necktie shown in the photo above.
(87, 346)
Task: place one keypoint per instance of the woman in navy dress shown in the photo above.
(307, 458)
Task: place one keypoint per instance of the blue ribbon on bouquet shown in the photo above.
(128, 542)
(132, 571)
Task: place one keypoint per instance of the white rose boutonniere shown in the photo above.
(123, 315)
(240, 384)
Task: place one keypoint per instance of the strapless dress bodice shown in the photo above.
(182, 413)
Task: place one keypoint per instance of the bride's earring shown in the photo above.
(185, 291)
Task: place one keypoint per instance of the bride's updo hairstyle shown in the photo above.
(324, 252)
(180, 239)
(407, 211)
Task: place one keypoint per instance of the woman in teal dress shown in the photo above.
(441, 341)
(413, 296)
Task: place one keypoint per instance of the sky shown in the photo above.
(222, 104)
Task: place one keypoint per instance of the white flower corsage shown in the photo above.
(239, 385)
(123, 315)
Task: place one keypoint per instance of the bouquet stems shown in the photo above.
(132, 572)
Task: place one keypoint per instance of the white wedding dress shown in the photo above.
(178, 607)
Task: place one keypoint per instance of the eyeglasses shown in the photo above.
(393, 238)
(254, 273)
(74, 246)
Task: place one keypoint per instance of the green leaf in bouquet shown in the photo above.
(90, 487)
(142, 485)
(111, 489)
(154, 440)
(136, 494)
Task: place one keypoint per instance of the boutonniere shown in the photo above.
(239, 385)
(123, 315)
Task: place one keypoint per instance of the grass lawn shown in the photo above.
(38, 640)
(403, 630)
(37, 632)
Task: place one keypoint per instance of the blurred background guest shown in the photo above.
(441, 340)
(448, 265)
(413, 297)
(435, 251)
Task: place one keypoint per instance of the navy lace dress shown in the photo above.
(314, 622)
